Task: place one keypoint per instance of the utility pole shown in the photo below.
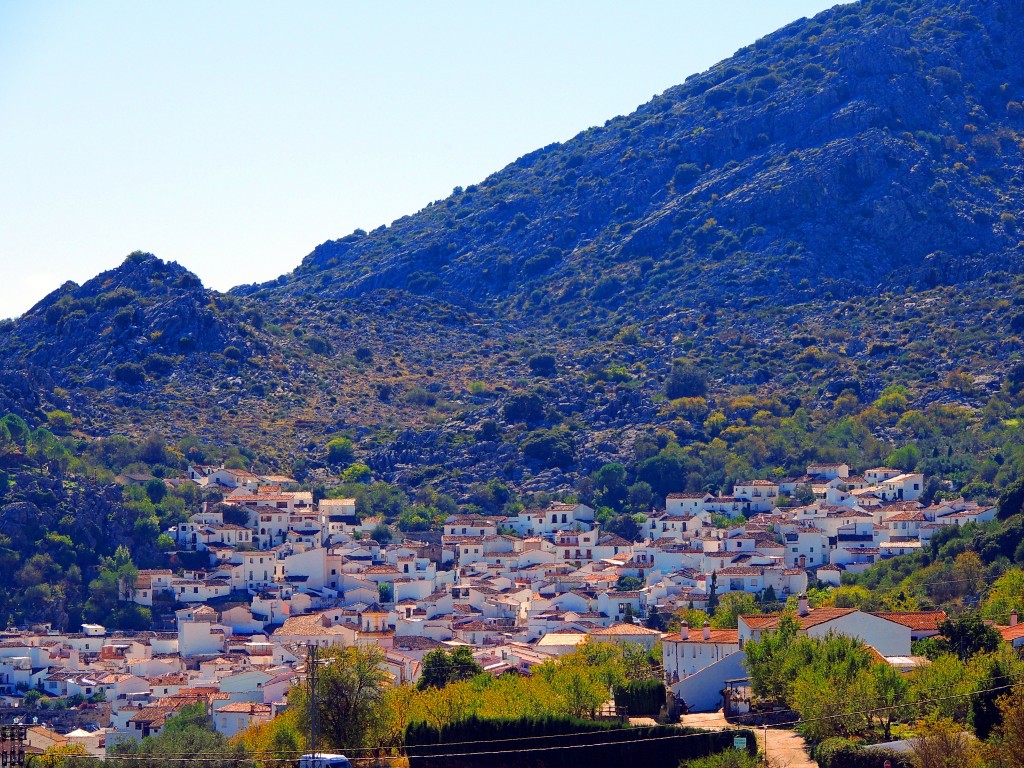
(312, 665)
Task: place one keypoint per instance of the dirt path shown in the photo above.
(785, 748)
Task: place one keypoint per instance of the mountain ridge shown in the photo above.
(833, 208)
(836, 101)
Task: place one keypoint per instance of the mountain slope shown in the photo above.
(832, 210)
(878, 139)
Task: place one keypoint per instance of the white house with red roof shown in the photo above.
(626, 633)
(686, 652)
(889, 638)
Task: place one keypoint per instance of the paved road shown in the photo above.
(785, 748)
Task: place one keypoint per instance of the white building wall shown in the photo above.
(886, 637)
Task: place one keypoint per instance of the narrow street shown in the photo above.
(785, 748)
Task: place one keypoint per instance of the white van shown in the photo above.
(324, 760)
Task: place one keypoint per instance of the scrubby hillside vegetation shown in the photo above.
(808, 251)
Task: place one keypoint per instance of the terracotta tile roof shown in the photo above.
(739, 570)
(381, 569)
(1010, 634)
(246, 708)
(814, 617)
(311, 624)
(624, 630)
(907, 515)
(920, 620)
(717, 636)
(415, 643)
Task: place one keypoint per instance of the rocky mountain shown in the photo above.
(833, 209)
(876, 142)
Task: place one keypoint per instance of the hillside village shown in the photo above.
(518, 590)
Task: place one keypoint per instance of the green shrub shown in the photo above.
(524, 406)
(552, 447)
(119, 297)
(542, 365)
(684, 380)
(159, 365)
(843, 753)
(641, 698)
(318, 345)
(132, 374)
(729, 758)
(685, 175)
(340, 450)
(418, 395)
(59, 421)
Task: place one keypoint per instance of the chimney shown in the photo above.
(1013, 618)
(707, 630)
(684, 631)
(802, 603)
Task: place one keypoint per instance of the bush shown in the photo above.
(119, 297)
(160, 365)
(59, 421)
(729, 758)
(318, 346)
(132, 374)
(553, 447)
(340, 450)
(524, 406)
(542, 365)
(641, 698)
(418, 395)
(685, 380)
(685, 175)
(843, 753)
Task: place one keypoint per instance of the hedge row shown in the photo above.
(555, 742)
(641, 698)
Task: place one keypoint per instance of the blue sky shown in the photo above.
(233, 137)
